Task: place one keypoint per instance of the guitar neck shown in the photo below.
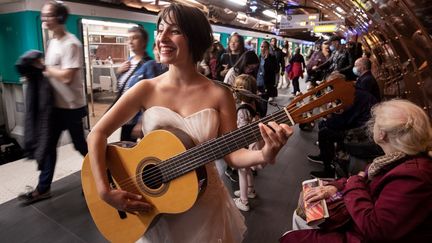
(218, 147)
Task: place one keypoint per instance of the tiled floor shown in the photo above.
(65, 217)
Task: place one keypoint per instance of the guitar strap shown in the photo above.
(120, 92)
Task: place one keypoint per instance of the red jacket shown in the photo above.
(396, 206)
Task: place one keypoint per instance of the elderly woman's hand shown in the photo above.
(320, 192)
(275, 136)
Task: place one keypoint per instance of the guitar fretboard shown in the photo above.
(217, 148)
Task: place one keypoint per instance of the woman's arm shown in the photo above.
(124, 109)
(274, 135)
(398, 209)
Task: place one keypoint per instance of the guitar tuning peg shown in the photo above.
(322, 109)
(307, 114)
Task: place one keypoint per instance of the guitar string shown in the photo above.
(154, 175)
(211, 142)
(174, 165)
(174, 170)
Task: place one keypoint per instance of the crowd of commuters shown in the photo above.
(190, 65)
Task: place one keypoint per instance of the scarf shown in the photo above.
(381, 162)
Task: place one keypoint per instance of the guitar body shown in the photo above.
(176, 196)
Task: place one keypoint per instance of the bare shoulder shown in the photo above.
(146, 86)
(220, 90)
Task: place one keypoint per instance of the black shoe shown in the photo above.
(33, 196)
(326, 174)
(232, 174)
(315, 159)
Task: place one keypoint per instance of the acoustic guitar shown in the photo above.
(167, 169)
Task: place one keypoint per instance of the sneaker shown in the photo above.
(323, 174)
(33, 196)
(315, 159)
(251, 194)
(241, 205)
(232, 174)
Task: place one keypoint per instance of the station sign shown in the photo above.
(298, 21)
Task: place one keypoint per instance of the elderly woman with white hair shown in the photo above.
(392, 200)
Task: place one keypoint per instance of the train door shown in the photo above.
(105, 49)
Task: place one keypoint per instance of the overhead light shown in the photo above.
(161, 3)
(269, 13)
(239, 2)
(272, 14)
(153, 2)
(340, 10)
(192, 1)
(107, 23)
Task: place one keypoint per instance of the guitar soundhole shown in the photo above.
(152, 176)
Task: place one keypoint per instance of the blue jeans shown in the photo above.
(62, 119)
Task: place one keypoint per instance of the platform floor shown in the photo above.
(65, 217)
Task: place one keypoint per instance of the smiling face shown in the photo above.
(172, 44)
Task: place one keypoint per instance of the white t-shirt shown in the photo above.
(64, 54)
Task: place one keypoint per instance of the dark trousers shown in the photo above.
(63, 119)
(296, 85)
(327, 138)
(262, 104)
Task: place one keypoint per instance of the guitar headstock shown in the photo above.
(328, 97)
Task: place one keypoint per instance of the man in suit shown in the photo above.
(365, 80)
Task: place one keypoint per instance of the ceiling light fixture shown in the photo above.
(239, 2)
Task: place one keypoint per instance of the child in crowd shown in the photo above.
(246, 114)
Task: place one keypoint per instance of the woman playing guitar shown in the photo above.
(184, 99)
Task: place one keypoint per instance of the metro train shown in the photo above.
(397, 34)
(21, 30)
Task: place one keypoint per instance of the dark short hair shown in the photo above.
(194, 25)
(366, 63)
(141, 30)
(60, 10)
(267, 43)
(249, 57)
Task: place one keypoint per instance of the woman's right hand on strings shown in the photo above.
(124, 67)
(320, 192)
(127, 201)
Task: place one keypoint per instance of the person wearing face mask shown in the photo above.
(340, 60)
(365, 80)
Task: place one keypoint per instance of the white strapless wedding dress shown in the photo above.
(214, 217)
